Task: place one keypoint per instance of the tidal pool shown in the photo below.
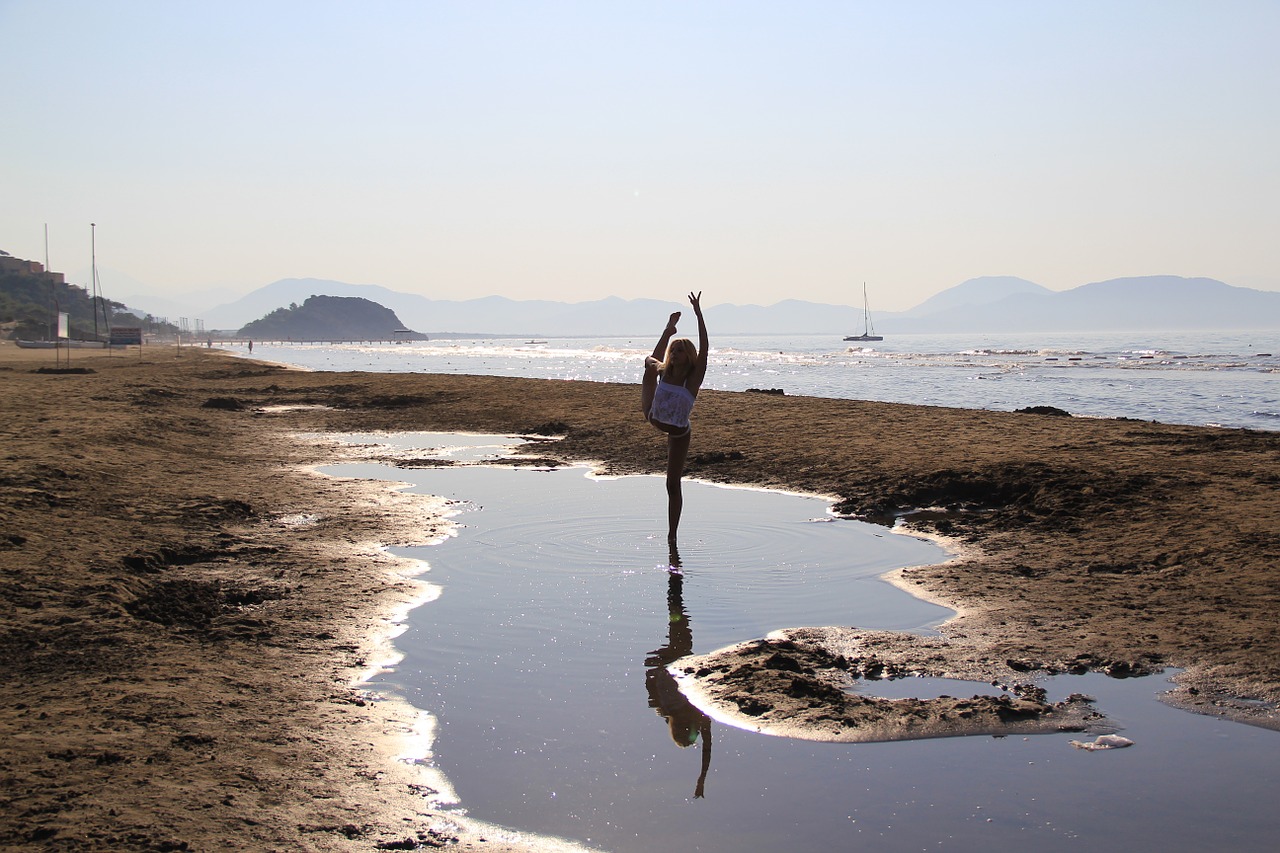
(543, 662)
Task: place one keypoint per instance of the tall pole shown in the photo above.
(53, 336)
(93, 261)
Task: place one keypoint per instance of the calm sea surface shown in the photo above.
(1227, 379)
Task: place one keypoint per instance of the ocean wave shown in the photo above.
(1214, 378)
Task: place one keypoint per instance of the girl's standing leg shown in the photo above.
(677, 451)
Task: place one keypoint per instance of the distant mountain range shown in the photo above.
(1147, 303)
(988, 304)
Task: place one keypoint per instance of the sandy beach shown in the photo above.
(187, 606)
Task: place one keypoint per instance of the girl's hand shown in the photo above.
(695, 299)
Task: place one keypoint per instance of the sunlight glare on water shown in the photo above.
(1226, 379)
(543, 661)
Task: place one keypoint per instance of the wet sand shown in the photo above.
(186, 606)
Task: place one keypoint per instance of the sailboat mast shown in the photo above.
(53, 304)
(93, 267)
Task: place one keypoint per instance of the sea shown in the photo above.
(1225, 379)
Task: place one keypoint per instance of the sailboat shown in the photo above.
(868, 330)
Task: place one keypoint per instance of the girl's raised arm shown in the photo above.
(704, 342)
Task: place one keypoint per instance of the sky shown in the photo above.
(754, 151)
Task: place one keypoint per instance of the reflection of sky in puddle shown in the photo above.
(445, 446)
(541, 661)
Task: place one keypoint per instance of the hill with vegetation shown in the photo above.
(30, 302)
(331, 318)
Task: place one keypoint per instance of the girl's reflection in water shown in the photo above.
(685, 722)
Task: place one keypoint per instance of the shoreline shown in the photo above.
(187, 661)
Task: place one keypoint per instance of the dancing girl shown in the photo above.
(668, 391)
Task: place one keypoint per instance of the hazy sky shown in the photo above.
(575, 150)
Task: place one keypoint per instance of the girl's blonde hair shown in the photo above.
(691, 353)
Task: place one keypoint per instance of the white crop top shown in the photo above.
(672, 404)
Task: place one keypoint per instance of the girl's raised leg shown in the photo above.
(649, 384)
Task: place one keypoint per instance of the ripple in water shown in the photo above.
(543, 660)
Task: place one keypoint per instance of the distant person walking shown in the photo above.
(667, 394)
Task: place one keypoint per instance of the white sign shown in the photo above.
(63, 323)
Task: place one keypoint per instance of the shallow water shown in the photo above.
(543, 663)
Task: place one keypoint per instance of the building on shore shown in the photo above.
(10, 264)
